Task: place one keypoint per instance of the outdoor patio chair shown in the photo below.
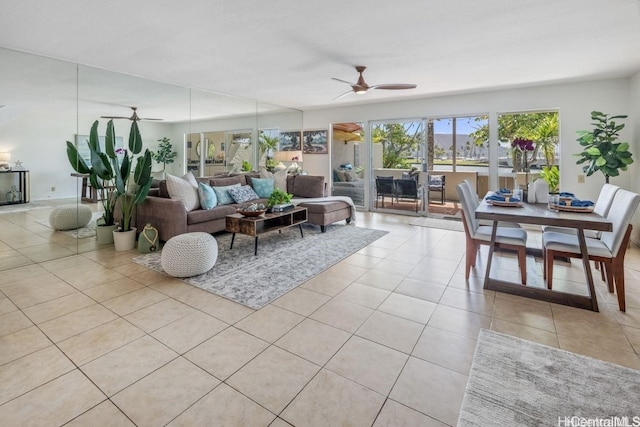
(609, 249)
(437, 184)
(407, 189)
(384, 188)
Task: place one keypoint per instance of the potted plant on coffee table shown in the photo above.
(101, 178)
(278, 200)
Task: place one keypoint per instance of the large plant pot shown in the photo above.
(104, 233)
(124, 240)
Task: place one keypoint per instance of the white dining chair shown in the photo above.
(609, 249)
(506, 237)
(602, 206)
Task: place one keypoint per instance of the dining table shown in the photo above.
(540, 214)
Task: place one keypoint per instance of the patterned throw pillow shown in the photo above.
(243, 194)
(183, 190)
(263, 186)
(222, 194)
(207, 196)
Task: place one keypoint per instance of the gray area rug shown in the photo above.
(284, 261)
(514, 382)
(445, 224)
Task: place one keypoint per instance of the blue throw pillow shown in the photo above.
(263, 186)
(243, 194)
(222, 193)
(208, 198)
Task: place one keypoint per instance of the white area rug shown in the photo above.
(81, 233)
(284, 261)
(514, 382)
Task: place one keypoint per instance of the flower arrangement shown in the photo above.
(520, 148)
(523, 144)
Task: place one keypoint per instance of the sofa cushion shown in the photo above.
(263, 186)
(306, 186)
(243, 194)
(207, 196)
(184, 190)
(226, 181)
(222, 193)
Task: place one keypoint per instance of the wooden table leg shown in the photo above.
(255, 247)
(301, 233)
(587, 269)
(233, 237)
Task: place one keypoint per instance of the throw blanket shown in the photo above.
(345, 199)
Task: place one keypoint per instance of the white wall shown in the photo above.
(38, 139)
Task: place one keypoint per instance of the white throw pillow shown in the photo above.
(184, 190)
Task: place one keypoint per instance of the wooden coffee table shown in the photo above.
(255, 226)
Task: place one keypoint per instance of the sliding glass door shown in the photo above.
(398, 172)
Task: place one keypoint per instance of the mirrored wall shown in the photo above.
(46, 102)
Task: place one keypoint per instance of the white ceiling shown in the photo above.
(286, 51)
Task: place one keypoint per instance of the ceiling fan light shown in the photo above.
(360, 91)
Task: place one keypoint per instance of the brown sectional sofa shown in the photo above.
(319, 212)
(171, 218)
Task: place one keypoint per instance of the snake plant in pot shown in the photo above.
(114, 166)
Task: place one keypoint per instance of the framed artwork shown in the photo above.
(315, 142)
(290, 141)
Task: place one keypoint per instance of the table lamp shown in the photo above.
(5, 158)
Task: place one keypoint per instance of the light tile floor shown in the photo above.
(385, 338)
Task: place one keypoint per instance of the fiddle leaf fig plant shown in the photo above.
(601, 149)
(165, 154)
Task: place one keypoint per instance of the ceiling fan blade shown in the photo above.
(343, 95)
(114, 117)
(343, 81)
(147, 118)
(394, 86)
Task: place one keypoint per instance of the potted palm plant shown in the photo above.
(601, 149)
(101, 177)
(132, 189)
(115, 166)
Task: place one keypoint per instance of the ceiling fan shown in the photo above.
(361, 87)
(134, 117)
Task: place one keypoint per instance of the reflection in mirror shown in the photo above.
(47, 102)
(348, 162)
(272, 119)
(37, 115)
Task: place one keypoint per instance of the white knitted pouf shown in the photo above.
(189, 254)
(70, 217)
